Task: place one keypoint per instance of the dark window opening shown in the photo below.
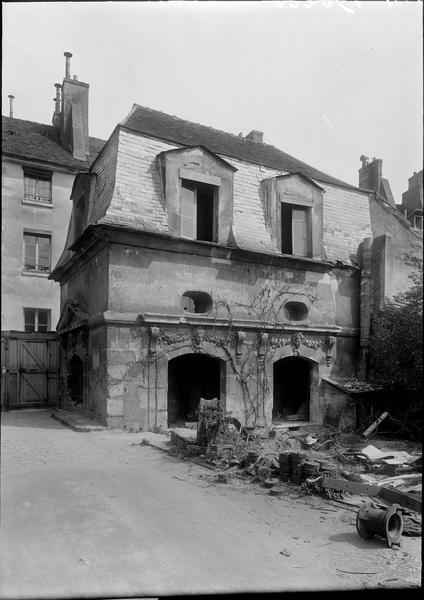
(196, 302)
(36, 319)
(198, 211)
(292, 380)
(295, 230)
(37, 186)
(296, 311)
(191, 377)
(76, 379)
(37, 252)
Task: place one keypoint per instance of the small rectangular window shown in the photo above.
(37, 252)
(295, 230)
(37, 186)
(198, 211)
(36, 319)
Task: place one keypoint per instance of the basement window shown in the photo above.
(196, 302)
(37, 186)
(295, 230)
(296, 311)
(198, 211)
(36, 319)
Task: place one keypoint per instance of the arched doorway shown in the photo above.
(292, 383)
(191, 377)
(76, 380)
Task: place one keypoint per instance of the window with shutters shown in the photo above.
(295, 230)
(36, 319)
(37, 186)
(198, 211)
(37, 252)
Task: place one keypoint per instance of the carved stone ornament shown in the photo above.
(330, 341)
(154, 336)
(169, 337)
(197, 339)
(240, 339)
(296, 341)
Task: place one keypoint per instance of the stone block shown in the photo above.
(114, 422)
(115, 408)
(120, 356)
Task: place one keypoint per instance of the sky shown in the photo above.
(326, 81)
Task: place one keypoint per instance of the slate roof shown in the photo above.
(159, 125)
(41, 143)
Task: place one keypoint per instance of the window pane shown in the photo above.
(43, 253)
(29, 251)
(43, 320)
(188, 211)
(300, 232)
(29, 185)
(286, 229)
(205, 213)
(44, 188)
(29, 319)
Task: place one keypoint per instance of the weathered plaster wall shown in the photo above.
(140, 277)
(21, 289)
(392, 240)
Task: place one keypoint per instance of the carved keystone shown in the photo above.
(198, 338)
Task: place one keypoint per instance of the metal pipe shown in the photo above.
(68, 56)
(11, 105)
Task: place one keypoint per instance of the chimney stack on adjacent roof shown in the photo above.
(255, 136)
(71, 113)
(11, 98)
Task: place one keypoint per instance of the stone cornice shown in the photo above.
(163, 319)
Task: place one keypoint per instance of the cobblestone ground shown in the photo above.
(97, 513)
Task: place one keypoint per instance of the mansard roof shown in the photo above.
(27, 140)
(159, 125)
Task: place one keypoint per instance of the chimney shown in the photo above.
(370, 173)
(73, 119)
(56, 114)
(11, 98)
(255, 136)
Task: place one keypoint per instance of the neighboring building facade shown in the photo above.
(412, 201)
(39, 165)
(202, 264)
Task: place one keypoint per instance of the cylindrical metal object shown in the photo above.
(68, 57)
(385, 523)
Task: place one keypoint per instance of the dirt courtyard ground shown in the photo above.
(98, 514)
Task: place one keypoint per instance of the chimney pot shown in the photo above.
(11, 98)
(364, 160)
(68, 56)
(75, 77)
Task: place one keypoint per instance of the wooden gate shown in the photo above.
(30, 369)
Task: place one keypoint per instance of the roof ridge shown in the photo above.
(319, 175)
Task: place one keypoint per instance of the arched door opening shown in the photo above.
(292, 382)
(76, 380)
(191, 377)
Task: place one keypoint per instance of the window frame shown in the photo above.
(196, 185)
(37, 235)
(307, 210)
(37, 319)
(37, 176)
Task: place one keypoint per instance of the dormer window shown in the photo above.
(197, 194)
(198, 211)
(293, 211)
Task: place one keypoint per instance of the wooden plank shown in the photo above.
(353, 487)
(402, 498)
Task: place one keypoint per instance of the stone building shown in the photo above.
(412, 201)
(204, 264)
(39, 164)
